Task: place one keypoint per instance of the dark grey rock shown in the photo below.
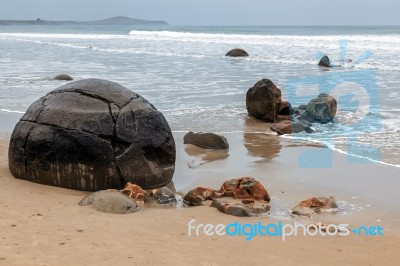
(111, 201)
(92, 135)
(237, 52)
(315, 205)
(163, 196)
(63, 77)
(302, 107)
(322, 109)
(263, 100)
(206, 140)
(325, 62)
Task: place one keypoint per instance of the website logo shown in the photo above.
(249, 231)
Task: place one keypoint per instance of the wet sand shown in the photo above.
(42, 225)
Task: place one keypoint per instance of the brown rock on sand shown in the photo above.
(199, 194)
(134, 192)
(245, 188)
(314, 205)
(239, 209)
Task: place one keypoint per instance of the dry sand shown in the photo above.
(42, 225)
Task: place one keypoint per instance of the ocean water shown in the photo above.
(184, 73)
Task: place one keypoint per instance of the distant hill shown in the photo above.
(109, 21)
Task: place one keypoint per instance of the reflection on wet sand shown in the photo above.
(203, 156)
(262, 145)
(252, 124)
(260, 141)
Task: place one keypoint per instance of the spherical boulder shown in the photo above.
(263, 100)
(92, 135)
(237, 52)
(321, 109)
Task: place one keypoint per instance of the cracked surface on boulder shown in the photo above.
(92, 135)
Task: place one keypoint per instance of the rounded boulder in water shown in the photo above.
(325, 61)
(91, 135)
(63, 77)
(237, 52)
(322, 109)
(263, 100)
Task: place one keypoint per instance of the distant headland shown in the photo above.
(109, 21)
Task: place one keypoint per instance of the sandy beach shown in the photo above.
(43, 225)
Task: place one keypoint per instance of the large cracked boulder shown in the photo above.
(93, 135)
(263, 100)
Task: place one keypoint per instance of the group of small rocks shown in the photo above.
(242, 197)
(264, 102)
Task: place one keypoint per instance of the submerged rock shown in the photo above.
(263, 100)
(63, 77)
(237, 52)
(111, 201)
(325, 61)
(92, 135)
(206, 140)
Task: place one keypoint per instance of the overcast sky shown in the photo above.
(213, 12)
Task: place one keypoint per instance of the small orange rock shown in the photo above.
(135, 192)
